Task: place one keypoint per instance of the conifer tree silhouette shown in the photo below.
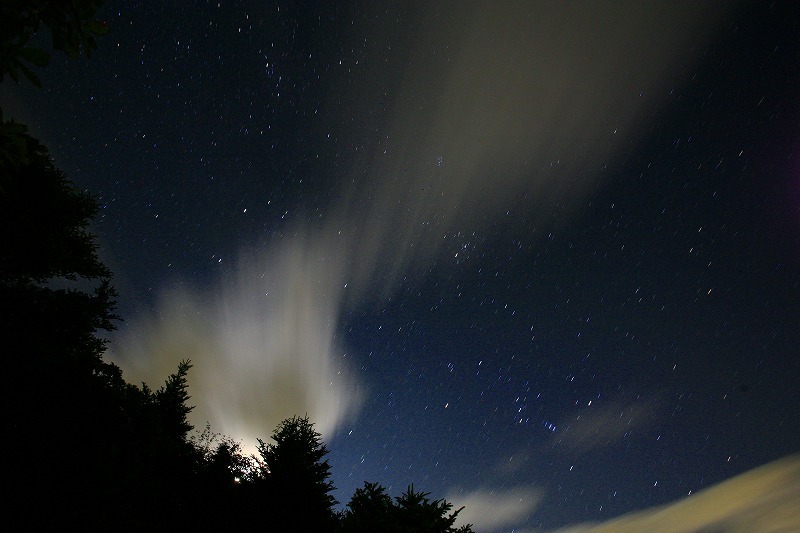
(297, 477)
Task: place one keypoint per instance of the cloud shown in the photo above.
(764, 499)
(502, 110)
(594, 427)
(495, 509)
(263, 343)
(491, 116)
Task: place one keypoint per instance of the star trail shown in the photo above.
(540, 259)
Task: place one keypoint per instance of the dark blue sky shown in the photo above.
(577, 285)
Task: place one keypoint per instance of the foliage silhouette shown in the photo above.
(297, 476)
(72, 26)
(417, 513)
(88, 450)
(371, 509)
(55, 299)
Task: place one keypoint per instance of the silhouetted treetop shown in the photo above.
(371, 509)
(43, 224)
(418, 513)
(297, 476)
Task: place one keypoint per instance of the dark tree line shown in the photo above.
(85, 449)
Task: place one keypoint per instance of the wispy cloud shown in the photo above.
(503, 109)
(604, 425)
(519, 106)
(495, 509)
(263, 343)
(763, 499)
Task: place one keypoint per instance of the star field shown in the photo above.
(548, 271)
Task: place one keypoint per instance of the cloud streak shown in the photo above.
(494, 510)
(495, 111)
(764, 499)
(600, 427)
(263, 343)
(506, 110)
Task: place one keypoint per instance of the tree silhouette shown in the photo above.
(371, 509)
(87, 451)
(55, 297)
(418, 514)
(296, 476)
(220, 496)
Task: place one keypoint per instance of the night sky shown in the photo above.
(541, 259)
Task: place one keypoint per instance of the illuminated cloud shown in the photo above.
(495, 510)
(764, 499)
(263, 344)
(493, 116)
(512, 110)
